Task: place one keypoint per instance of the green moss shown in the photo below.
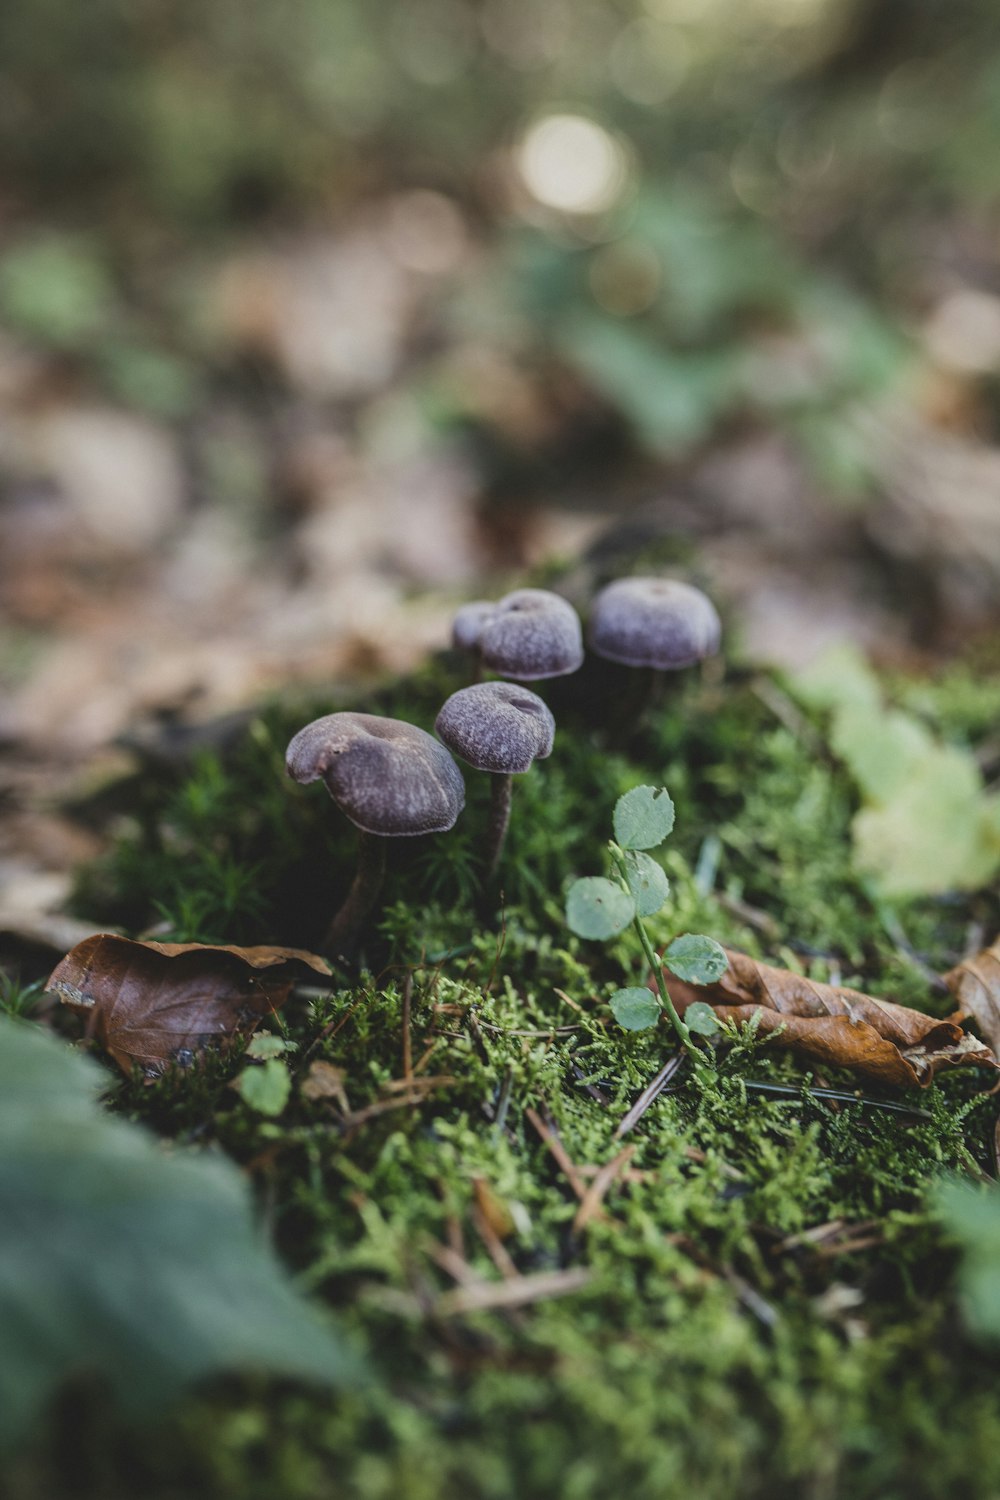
(717, 1347)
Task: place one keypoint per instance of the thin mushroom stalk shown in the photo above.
(652, 626)
(392, 780)
(502, 729)
(344, 932)
(501, 793)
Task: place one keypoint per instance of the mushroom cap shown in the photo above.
(653, 622)
(390, 778)
(528, 634)
(468, 622)
(497, 727)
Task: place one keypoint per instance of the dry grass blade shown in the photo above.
(493, 1296)
(559, 1152)
(649, 1095)
(590, 1207)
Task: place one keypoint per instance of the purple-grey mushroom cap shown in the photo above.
(468, 622)
(497, 726)
(653, 622)
(390, 778)
(527, 635)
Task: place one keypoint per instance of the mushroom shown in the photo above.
(654, 624)
(391, 779)
(500, 728)
(527, 635)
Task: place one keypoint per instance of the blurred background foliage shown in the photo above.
(703, 209)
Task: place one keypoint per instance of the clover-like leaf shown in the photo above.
(643, 817)
(597, 908)
(696, 959)
(647, 882)
(701, 1018)
(265, 1089)
(265, 1044)
(635, 1009)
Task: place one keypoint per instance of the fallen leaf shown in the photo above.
(122, 1261)
(842, 1028)
(325, 1081)
(154, 1004)
(975, 985)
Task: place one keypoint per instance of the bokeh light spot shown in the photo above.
(572, 164)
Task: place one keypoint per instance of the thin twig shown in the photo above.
(649, 1094)
(504, 1294)
(843, 1095)
(503, 1100)
(559, 1152)
(590, 1207)
(454, 1265)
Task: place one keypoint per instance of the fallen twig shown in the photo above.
(521, 1292)
(590, 1205)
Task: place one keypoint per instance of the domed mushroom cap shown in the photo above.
(530, 634)
(389, 777)
(468, 622)
(653, 622)
(496, 726)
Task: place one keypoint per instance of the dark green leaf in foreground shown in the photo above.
(118, 1259)
(647, 882)
(696, 959)
(643, 817)
(973, 1216)
(597, 908)
(635, 1009)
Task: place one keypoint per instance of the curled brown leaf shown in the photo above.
(153, 1004)
(885, 1043)
(975, 984)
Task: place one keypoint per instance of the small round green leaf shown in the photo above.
(265, 1044)
(696, 959)
(647, 882)
(635, 1009)
(265, 1088)
(596, 908)
(701, 1018)
(643, 817)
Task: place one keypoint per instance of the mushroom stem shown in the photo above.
(500, 793)
(640, 693)
(343, 932)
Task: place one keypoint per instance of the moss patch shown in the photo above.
(727, 1339)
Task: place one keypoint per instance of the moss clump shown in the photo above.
(769, 1304)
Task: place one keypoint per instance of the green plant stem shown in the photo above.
(694, 1051)
(697, 1056)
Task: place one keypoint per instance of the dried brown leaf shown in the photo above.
(153, 1004)
(888, 1044)
(975, 985)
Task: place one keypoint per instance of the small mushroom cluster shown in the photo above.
(393, 780)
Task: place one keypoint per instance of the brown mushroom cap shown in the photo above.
(390, 778)
(529, 634)
(653, 622)
(497, 727)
